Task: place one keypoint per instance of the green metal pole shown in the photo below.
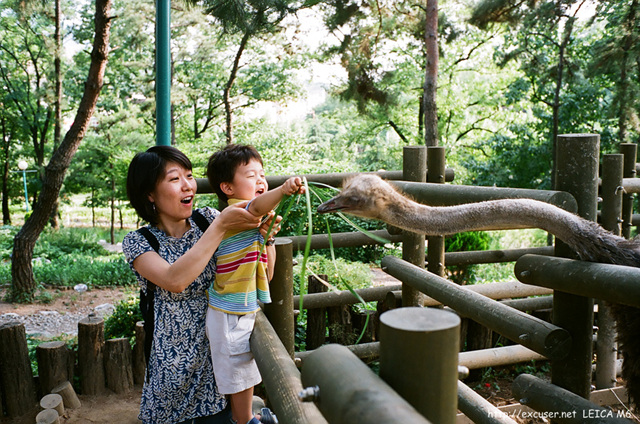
(26, 196)
(163, 72)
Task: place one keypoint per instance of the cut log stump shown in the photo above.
(69, 396)
(55, 364)
(117, 365)
(53, 401)
(139, 366)
(90, 355)
(48, 416)
(16, 376)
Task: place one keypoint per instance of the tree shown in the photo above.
(23, 282)
(249, 19)
(431, 75)
(541, 30)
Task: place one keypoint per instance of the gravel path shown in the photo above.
(48, 324)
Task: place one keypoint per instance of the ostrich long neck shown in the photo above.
(587, 238)
(490, 215)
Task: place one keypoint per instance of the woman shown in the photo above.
(180, 387)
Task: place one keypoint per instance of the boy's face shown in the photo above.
(248, 182)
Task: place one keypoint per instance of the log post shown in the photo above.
(90, 355)
(117, 365)
(53, 364)
(48, 416)
(316, 318)
(630, 153)
(419, 359)
(69, 396)
(280, 310)
(611, 218)
(15, 370)
(340, 326)
(577, 158)
(139, 365)
(414, 167)
(53, 401)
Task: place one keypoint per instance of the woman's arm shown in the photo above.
(179, 275)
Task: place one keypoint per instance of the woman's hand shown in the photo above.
(236, 217)
(264, 227)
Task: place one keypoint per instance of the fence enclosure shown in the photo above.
(412, 344)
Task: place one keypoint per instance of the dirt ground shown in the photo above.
(107, 408)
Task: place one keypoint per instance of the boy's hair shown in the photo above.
(223, 164)
(146, 170)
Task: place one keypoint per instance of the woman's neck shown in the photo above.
(174, 228)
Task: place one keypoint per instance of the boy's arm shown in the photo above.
(265, 203)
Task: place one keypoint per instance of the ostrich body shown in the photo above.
(368, 196)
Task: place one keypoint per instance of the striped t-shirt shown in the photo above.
(241, 273)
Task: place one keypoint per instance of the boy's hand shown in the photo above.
(292, 186)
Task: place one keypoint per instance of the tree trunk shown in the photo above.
(556, 98)
(227, 88)
(6, 215)
(623, 90)
(57, 121)
(24, 241)
(431, 75)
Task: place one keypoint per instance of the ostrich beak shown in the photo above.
(331, 205)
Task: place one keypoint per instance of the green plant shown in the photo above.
(122, 323)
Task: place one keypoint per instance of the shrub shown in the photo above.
(122, 323)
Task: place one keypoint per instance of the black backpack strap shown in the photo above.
(147, 301)
(200, 220)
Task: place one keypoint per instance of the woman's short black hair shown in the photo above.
(223, 164)
(145, 172)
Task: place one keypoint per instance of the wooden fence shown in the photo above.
(112, 365)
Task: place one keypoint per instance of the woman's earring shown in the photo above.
(153, 206)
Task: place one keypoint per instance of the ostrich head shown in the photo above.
(364, 195)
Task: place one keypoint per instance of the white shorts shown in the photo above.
(234, 367)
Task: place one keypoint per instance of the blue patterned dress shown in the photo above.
(181, 384)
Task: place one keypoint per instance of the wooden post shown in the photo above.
(54, 364)
(117, 365)
(630, 153)
(316, 318)
(544, 397)
(419, 359)
(139, 366)
(48, 416)
(69, 396)
(611, 217)
(435, 174)
(340, 326)
(53, 401)
(16, 376)
(280, 376)
(414, 167)
(280, 310)
(577, 173)
(349, 392)
(90, 355)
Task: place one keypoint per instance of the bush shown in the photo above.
(122, 323)
(356, 274)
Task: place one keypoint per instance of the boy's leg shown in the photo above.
(241, 405)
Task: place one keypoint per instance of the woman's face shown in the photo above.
(248, 182)
(173, 195)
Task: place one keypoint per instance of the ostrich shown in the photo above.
(369, 196)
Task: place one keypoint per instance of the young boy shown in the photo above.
(242, 276)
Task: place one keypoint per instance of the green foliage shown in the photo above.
(67, 257)
(122, 323)
(463, 242)
(356, 274)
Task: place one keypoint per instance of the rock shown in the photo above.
(105, 310)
